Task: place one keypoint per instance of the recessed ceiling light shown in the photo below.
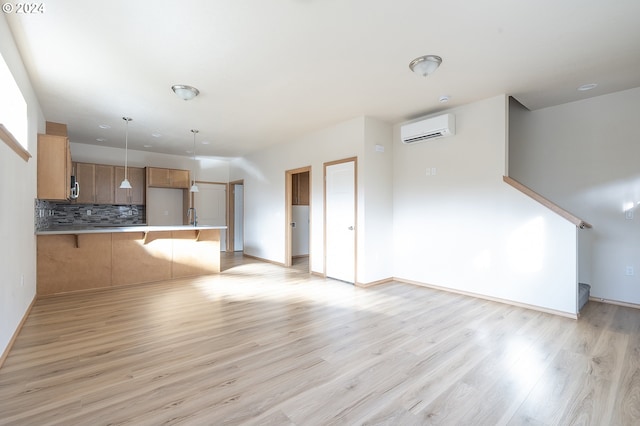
(156, 134)
(104, 126)
(588, 86)
(189, 151)
(444, 99)
(205, 142)
(101, 139)
(148, 146)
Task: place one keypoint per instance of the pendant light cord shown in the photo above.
(126, 148)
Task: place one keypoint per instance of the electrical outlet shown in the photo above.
(629, 271)
(88, 212)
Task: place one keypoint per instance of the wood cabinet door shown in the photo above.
(135, 195)
(180, 179)
(168, 178)
(158, 177)
(85, 175)
(104, 184)
(54, 168)
(300, 189)
(137, 179)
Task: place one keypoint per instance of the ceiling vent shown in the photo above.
(431, 128)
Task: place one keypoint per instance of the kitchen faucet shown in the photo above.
(195, 216)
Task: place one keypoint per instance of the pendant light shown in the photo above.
(125, 182)
(194, 187)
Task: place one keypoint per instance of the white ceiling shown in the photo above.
(270, 71)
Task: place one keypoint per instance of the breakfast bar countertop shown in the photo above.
(101, 229)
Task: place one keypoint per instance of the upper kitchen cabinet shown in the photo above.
(135, 195)
(167, 178)
(300, 189)
(54, 167)
(96, 183)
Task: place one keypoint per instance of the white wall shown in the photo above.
(584, 156)
(375, 230)
(264, 189)
(465, 229)
(17, 195)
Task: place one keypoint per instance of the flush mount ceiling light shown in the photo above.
(185, 92)
(425, 65)
(194, 187)
(125, 182)
(587, 86)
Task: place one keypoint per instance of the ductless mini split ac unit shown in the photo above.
(430, 128)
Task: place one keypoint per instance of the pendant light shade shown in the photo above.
(125, 182)
(194, 187)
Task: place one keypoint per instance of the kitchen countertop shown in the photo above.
(88, 229)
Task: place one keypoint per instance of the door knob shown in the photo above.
(350, 228)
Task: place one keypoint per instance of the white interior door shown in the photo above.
(340, 215)
(211, 207)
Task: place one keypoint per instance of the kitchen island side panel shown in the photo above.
(137, 259)
(196, 252)
(67, 263)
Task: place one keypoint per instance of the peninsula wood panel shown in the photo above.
(196, 257)
(136, 260)
(69, 263)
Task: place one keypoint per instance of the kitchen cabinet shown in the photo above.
(96, 183)
(86, 177)
(104, 185)
(135, 195)
(54, 167)
(167, 178)
(300, 189)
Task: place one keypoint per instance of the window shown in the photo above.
(13, 113)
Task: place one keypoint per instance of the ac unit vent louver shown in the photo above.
(431, 128)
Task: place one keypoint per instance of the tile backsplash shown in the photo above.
(50, 214)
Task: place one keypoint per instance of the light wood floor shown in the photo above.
(261, 344)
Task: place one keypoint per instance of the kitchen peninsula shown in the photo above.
(82, 258)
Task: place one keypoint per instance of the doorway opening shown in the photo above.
(235, 225)
(298, 218)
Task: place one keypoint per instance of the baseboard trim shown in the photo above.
(5, 354)
(491, 298)
(615, 302)
(374, 283)
(273, 262)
